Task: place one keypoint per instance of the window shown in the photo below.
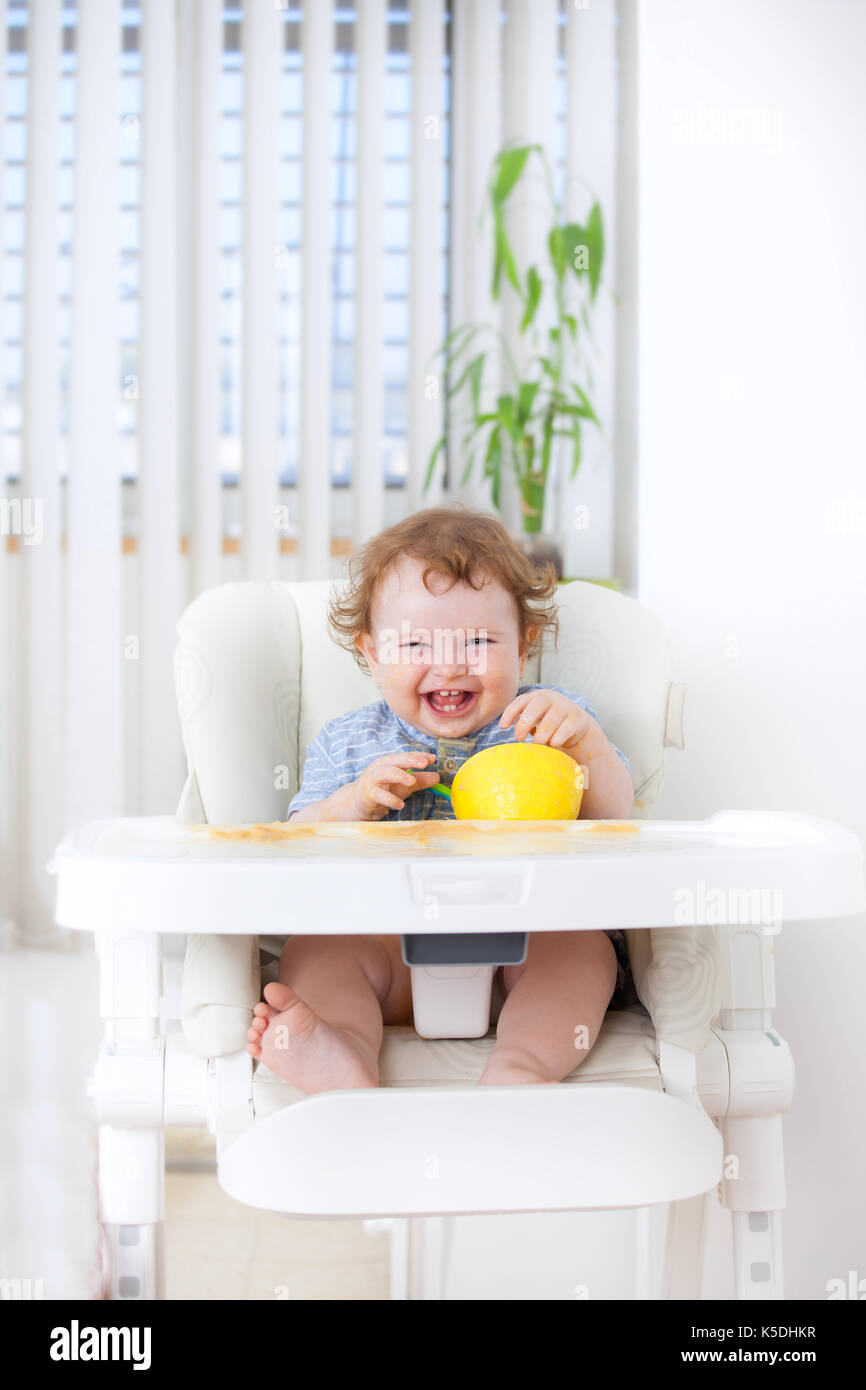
(397, 189)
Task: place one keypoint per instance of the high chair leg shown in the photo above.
(684, 1248)
(128, 1087)
(756, 1199)
(417, 1255)
(399, 1227)
(132, 1211)
(425, 1258)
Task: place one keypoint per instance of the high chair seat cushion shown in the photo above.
(624, 1052)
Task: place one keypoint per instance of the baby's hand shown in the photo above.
(551, 718)
(376, 789)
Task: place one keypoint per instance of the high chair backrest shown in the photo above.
(258, 674)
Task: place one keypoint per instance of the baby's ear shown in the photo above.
(367, 647)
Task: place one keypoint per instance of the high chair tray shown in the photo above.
(439, 1151)
(159, 874)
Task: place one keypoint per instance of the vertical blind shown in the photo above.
(231, 238)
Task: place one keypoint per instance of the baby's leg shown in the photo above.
(554, 1007)
(321, 1028)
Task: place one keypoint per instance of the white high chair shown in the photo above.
(692, 1072)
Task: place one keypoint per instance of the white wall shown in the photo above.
(752, 498)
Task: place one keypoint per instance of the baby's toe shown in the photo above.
(264, 1011)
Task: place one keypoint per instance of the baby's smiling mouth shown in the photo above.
(449, 702)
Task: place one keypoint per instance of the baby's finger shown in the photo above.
(548, 726)
(381, 797)
(412, 757)
(513, 709)
(390, 773)
(566, 732)
(531, 715)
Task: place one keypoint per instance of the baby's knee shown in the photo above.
(580, 951)
(581, 947)
(339, 953)
(304, 948)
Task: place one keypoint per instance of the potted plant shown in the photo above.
(541, 401)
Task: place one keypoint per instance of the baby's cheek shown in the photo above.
(502, 684)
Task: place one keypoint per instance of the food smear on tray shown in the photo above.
(478, 837)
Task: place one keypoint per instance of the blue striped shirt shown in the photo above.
(350, 742)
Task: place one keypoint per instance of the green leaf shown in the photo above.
(493, 444)
(587, 410)
(533, 295)
(445, 350)
(505, 405)
(453, 356)
(595, 242)
(574, 236)
(558, 254)
(497, 262)
(468, 469)
(511, 164)
(455, 333)
(504, 259)
(525, 397)
(493, 462)
(564, 407)
(437, 449)
(493, 453)
(575, 462)
(571, 321)
(478, 424)
(471, 366)
(477, 371)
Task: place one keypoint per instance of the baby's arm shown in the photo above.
(337, 806)
(375, 792)
(609, 794)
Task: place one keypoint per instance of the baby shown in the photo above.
(444, 610)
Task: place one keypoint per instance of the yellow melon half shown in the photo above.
(518, 781)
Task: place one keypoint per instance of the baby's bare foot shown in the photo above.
(302, 1048)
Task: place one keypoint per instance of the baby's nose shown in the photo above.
(451, 672)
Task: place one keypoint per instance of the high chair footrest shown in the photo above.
(445, 1150)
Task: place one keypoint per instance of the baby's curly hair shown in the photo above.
(468, 545)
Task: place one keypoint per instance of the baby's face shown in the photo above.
(449, 661)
